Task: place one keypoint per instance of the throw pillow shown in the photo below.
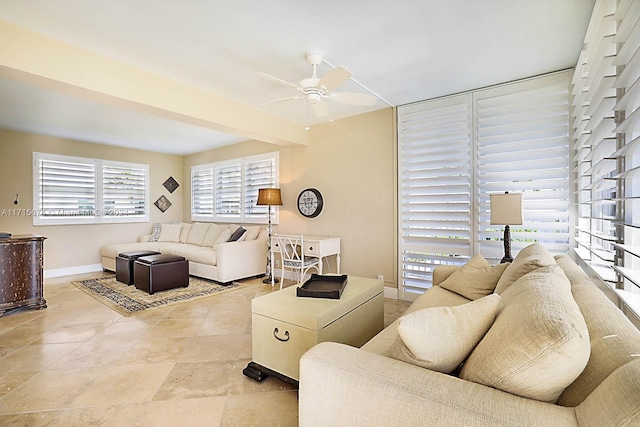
(252, 233)
(222, 238)
(475, 279)
(539, 341)
(213, 233)
(155, 232)
(236, 234)
(197, 233)
(440, 338)
(170, 233)
(530, 258)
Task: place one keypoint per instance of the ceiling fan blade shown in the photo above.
(289, 98)
(353, 98)
(279, 80)
(334, 78)
(320, 108)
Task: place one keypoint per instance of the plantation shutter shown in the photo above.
(627, 108)
(593, 143)
(257, 174)
(124, 191)
(522, 133)
(228, 191)
(435, 188)
(202, 193)
(66, 188)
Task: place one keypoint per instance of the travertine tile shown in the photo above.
(79, 363)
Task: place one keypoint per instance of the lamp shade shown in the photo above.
(506, 209)
(269, 197)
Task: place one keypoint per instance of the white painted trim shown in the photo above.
(390, 292)
(68, 271)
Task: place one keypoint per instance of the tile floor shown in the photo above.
(79, 363)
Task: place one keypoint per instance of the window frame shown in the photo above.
(100, 214)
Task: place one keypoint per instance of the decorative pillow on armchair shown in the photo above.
(440, 338)
(475, 279)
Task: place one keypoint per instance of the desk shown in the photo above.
(317, 246)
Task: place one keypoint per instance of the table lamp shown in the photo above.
(506, 209)
(269, 197)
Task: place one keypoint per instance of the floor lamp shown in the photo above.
(506, 209)
(269, 197)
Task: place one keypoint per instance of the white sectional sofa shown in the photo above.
(206, 246)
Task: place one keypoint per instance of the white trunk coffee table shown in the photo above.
(286, 326)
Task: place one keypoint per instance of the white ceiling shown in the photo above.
(403, 50)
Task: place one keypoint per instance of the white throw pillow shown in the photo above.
(213, 233)
(475, 279)
(170, 233)
(222, 238)
(441, 338)
(539, 341)
(252, 233)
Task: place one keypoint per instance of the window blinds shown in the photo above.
(435, 179)
(228, 191)
(456, 151)
(73, 190)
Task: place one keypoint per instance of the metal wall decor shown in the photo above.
(171, 184)
(163, 203)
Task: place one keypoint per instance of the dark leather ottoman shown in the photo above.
(124, 265)
(155, 273)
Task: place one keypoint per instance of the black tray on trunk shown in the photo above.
(323, 287)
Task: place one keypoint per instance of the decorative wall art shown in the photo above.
(171, 184)
(163, 203)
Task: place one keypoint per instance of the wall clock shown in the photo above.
(310, 203)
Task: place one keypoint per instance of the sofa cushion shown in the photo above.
(538, 343)
(222, 238)
(184, 233)
(170, 233)
(213, 233)
(440, 338)
(475, 279)
(197, 233)
(530, 258)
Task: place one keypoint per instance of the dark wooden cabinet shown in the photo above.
(21, 275)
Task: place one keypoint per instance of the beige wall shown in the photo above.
(77, 245)
(352, 163)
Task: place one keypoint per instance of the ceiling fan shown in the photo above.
(315, 89)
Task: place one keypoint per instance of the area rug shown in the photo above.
(128, 301)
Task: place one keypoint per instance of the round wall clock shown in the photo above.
(310, 203)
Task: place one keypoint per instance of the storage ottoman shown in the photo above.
(124, 265)
(155, 273)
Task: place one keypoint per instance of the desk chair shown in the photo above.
(292, 256)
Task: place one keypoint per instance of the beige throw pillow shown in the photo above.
(252, 233)
(475, 279)
(440, 338)
(530, 258)
(539, 341)
(213, 233)
(170, 233)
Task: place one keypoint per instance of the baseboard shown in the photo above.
(390, 292)
(68, 271)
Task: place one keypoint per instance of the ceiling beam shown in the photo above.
(39, 60)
